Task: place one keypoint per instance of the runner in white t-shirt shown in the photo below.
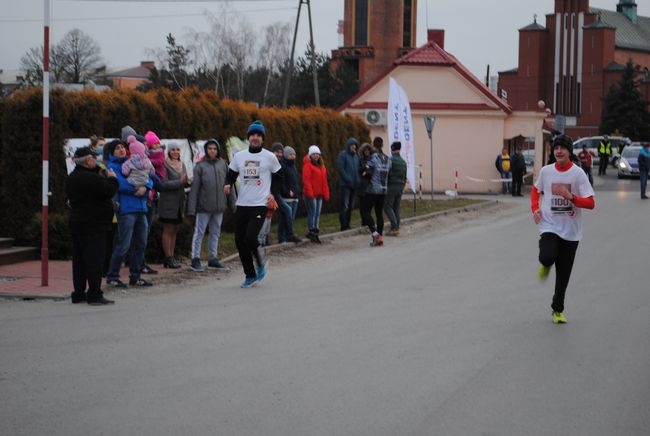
(564, 190)
(260, 177)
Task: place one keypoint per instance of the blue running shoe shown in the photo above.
(248, 282)
(261, 272)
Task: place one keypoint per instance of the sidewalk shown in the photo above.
(23, 280)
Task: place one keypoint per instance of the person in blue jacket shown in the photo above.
(347, 165)
(131, 211)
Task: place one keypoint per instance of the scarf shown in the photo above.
(176, 165)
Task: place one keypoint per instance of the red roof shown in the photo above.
(431, 54)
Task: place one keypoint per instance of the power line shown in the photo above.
(140, 17)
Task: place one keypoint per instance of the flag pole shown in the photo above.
(46, 145)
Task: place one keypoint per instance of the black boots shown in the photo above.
(171, 262)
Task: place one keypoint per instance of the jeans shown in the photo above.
(392, 205)
(643, 178)
(314, 206)
(347, 196)
(558, 251)
(212, 221)
(132, 230)
(506, 187)
(288, 210)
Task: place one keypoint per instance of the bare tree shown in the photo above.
(80, 56)
(274, 51)
(32, 64)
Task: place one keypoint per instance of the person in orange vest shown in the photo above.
(503, 167)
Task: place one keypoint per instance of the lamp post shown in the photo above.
(429, 123)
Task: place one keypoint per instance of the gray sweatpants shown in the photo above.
(203, 220)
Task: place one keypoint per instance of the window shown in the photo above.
(361, 23)
(407, 23)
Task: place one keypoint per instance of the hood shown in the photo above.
(351, 141)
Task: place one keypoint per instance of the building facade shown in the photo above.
(472, 123)
(375, 33)
(572, 62)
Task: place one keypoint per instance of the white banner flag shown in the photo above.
(400, 127)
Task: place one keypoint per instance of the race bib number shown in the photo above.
(251, 173)
(559, 204)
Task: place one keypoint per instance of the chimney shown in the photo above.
(437, 36)
(628, 8)
(149, 65)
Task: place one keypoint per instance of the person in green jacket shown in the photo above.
(396, 182)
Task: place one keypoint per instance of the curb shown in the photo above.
(362, 230)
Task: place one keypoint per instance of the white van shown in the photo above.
(593, 142)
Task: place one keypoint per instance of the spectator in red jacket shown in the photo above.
(315, 190)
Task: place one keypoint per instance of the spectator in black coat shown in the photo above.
(89, 194)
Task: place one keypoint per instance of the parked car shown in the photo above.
(529, 157)
(628, 165)
(593, 142)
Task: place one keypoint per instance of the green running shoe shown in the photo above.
(543, 272)
(559, 318)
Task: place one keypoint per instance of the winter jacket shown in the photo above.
(518, 163)
(347, 165)
(380, 166)
(397, 174)
(89, 195)
(128, 201)
(291, 181)
(172, 195)
(207, 193)
(644, 160)
(365, 170)
(314, 180)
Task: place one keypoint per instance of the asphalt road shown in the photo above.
(444, 331)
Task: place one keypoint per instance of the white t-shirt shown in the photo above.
(559, 215)
(255, 171)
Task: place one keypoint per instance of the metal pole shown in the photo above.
(431, 141)
(313, 56)
(287, 83)
(46, 143)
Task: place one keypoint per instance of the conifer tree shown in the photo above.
(624, 108)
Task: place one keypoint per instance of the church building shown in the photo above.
(572, 61)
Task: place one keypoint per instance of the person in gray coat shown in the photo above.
(207, 202)
(171, 203)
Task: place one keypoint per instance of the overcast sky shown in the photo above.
(477, 32)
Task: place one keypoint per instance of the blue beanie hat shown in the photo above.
(256, 127)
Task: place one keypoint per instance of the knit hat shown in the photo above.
(287, 151)
(173, 146)
(564, 141)
(277, 146)
(126, 132)
(256, 127)
(135, 146)
(212, 141)
(395, 146)
(109, 148)
(151, 138)
(313, 149)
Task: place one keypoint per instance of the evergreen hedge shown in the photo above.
(190, 114)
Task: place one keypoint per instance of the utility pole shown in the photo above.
(293, 50)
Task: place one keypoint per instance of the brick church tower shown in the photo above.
(375, 33)
(572, 62)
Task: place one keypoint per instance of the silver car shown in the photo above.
(628, 164)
